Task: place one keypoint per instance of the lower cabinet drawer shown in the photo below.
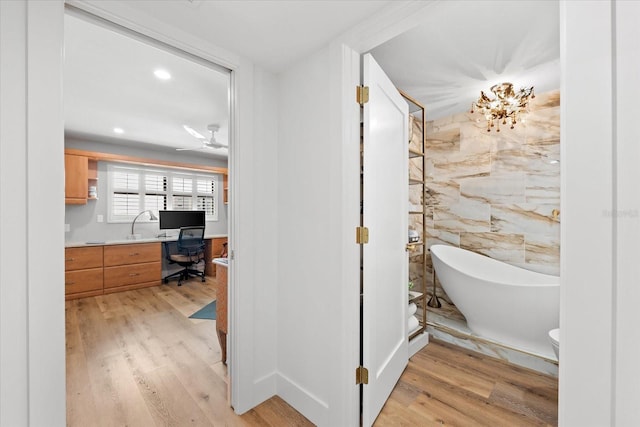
(132, 274)
(83, 280)
(132, 254)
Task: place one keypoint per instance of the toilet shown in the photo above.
(554, 337)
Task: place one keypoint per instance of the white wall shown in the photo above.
(305, 258)
(586, 175)
(262, 238)
(317, 302)
(32, 359)
(627, 204)
(600, 209)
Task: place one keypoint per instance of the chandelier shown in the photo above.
(505, 106)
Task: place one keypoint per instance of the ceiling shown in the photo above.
(272, 33)
(458, 49)
(464, 47)
(109, 83)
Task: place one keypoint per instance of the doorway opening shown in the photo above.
(161, 119)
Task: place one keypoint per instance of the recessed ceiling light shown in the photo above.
(162, 74)
(118, 130)
(554, 161)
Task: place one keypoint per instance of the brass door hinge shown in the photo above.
(362, 94)
(362, 235)
(362, 375)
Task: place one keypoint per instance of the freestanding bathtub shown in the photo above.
(501, 302)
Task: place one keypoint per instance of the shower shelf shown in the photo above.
(417, 251)
(413, 296)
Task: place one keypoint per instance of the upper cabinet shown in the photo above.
(80, 174)
(76, 179)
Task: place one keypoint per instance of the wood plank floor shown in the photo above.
(136, 359)
(447, 385)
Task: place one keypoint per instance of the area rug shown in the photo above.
(206, 312)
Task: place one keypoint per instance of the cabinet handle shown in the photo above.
(69, 259)
(134, 254)
(133, 274)
(69, 283)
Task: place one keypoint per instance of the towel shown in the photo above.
(412, 324)
(412, 309)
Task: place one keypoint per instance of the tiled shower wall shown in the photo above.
(495, 192)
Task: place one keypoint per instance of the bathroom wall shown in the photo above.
(495, 192)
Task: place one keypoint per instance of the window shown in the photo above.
(135, 189)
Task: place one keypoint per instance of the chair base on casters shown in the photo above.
(185, 274)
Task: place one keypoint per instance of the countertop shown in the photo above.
(131, 241)
(221, 261)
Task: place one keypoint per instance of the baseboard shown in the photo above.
(264, 388)
(418, 343)
(312, 407)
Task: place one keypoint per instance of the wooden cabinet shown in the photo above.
(83, 272)
(131, 254)
(132, 266)
(97, 270)
(80, 173)
(135, 274)
(221, 311)
(76, 179)
(212, 250)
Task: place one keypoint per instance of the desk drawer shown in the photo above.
(131, 254)
(83, 280)
(81, 258)
(132, 274)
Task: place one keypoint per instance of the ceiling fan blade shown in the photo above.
(216, 144)
(193, 132)
(189, 149)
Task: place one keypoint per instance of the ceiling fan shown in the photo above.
(207, 144)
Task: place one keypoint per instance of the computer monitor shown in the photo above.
(177, 219)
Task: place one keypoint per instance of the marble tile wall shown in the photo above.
(495, 193)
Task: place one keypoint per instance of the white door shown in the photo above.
(385, 260)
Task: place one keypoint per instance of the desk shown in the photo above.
(221, 305)
(97, 268)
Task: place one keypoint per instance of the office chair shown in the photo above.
(190, 251)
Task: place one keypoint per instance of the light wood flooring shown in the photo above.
(447, 385)
(136, 359)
